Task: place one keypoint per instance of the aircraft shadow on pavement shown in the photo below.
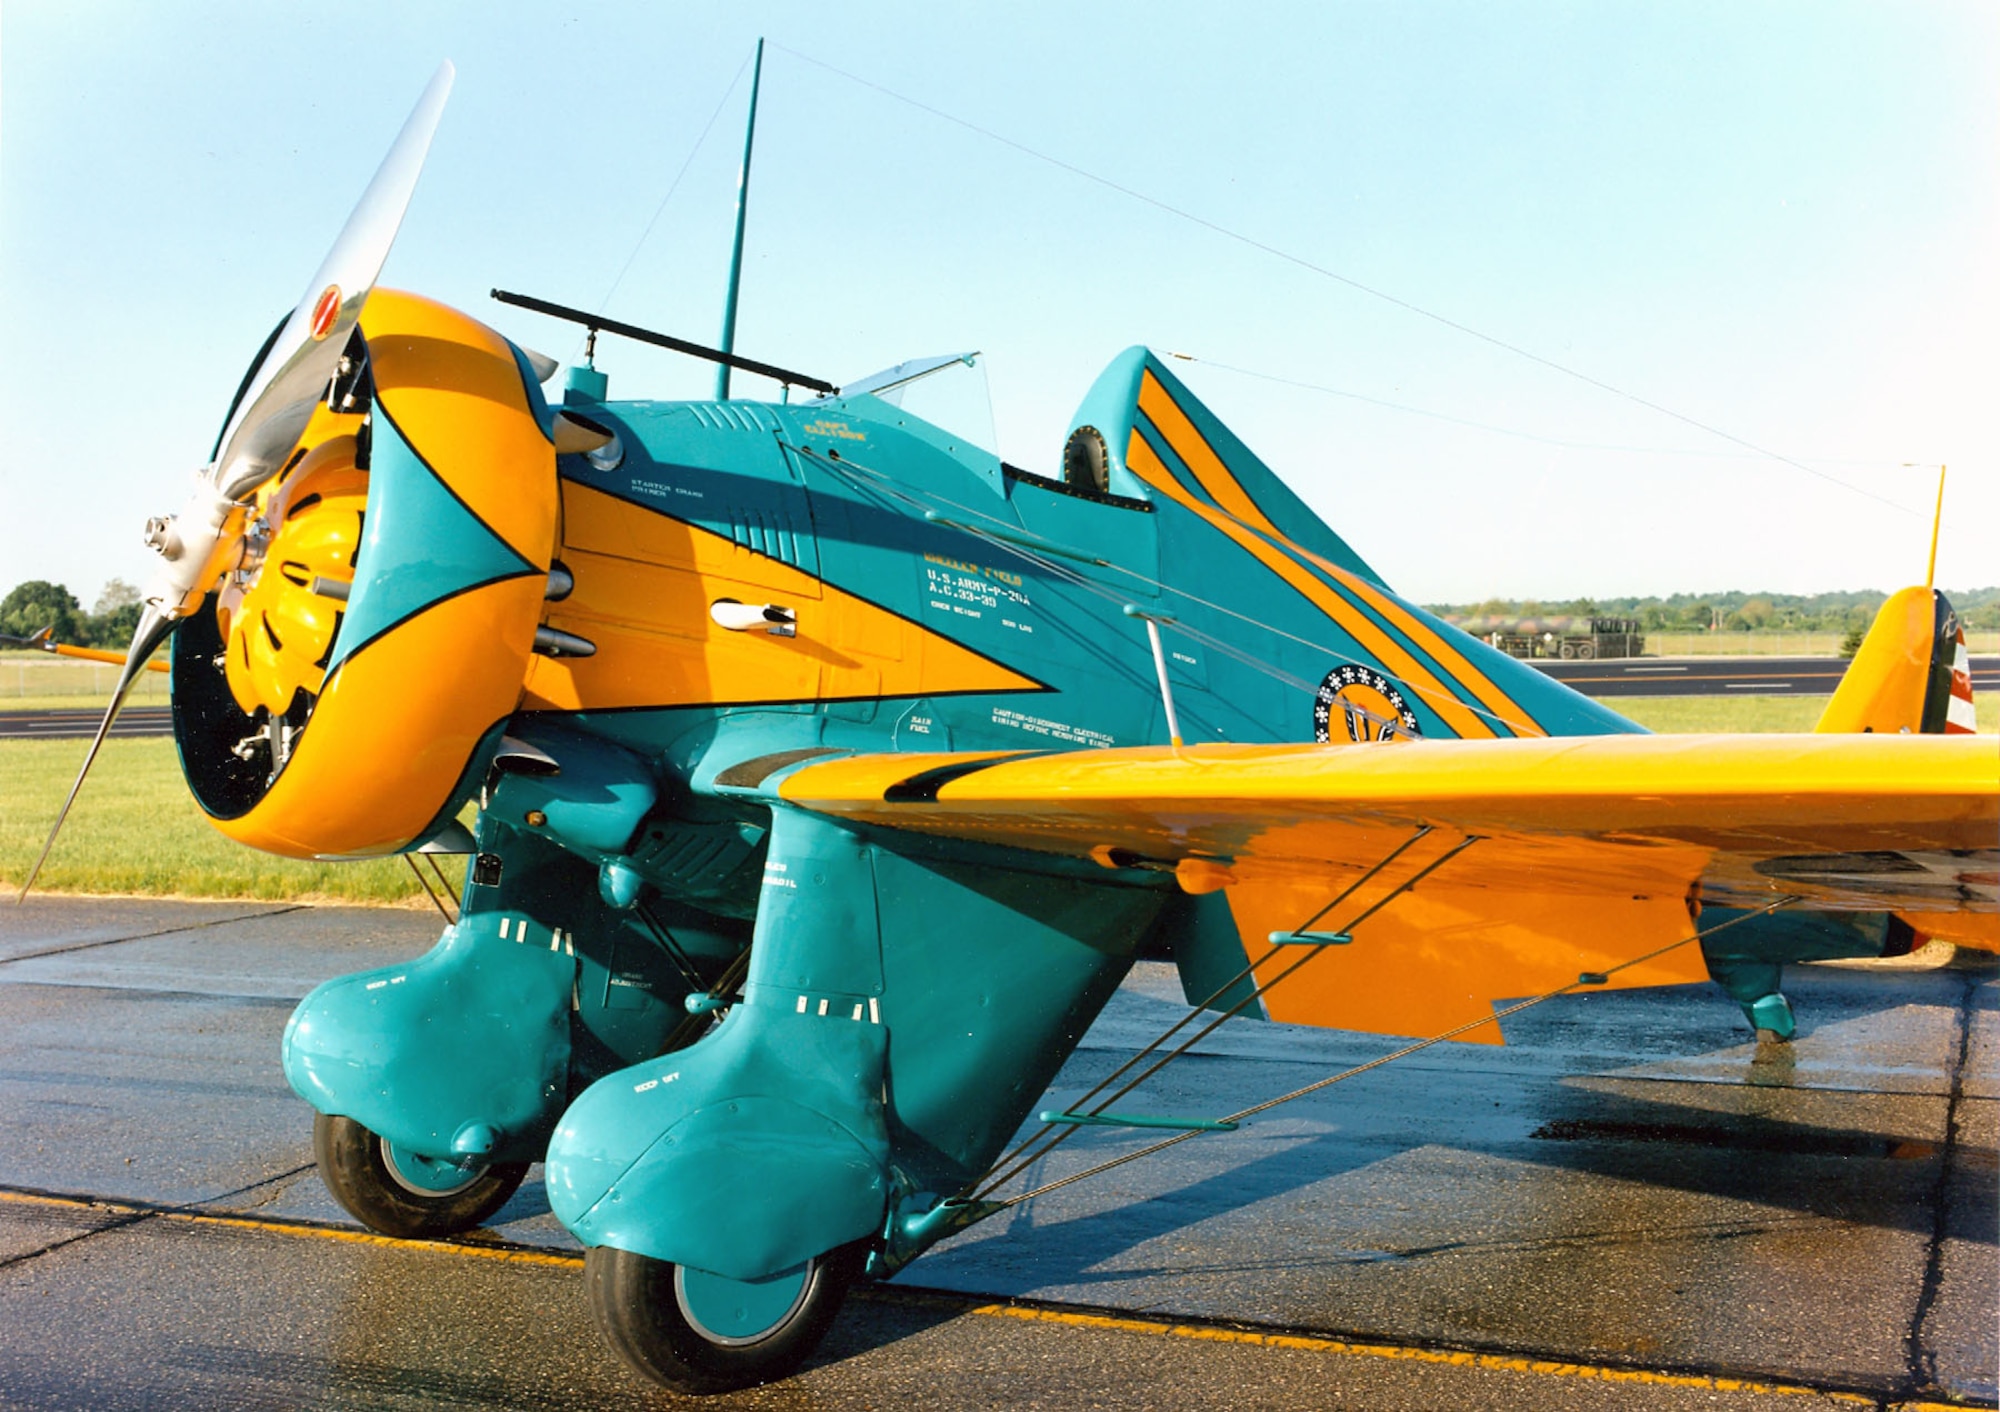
(1726, 1142)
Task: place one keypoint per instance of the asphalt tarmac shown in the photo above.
(1630, 1205)
(74, 724)
(1726, 676)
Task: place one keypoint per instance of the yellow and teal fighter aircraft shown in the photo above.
(830, 773)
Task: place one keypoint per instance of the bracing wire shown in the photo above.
(1068, 575)
(1348, 281)
(672, 187)
(444, 882)
(430, 892)
(1010, 1166)
(1580, 983)
(1476, 425)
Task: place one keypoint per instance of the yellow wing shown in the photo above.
(1522, 863)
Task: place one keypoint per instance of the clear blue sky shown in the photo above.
(1779, 219)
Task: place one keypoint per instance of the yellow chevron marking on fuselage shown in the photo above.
(644, 585)
(1463, 722)
(1214, 475)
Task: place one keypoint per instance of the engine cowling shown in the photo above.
(330, 710)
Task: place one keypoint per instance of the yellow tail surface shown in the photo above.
(1911, 675)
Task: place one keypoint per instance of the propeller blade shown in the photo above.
(293, 373)
(154, 626)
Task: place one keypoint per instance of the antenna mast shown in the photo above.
(1937, 519)
(736, 251)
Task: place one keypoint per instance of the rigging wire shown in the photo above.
(1349, 281)
(1081, 581)
(672, 187)
(1580, 983)
(457, 902)
(1478, 425)
(424, 883)
(1021, 1158)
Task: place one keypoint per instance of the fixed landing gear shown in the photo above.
(402, 1193)
(700, 1333)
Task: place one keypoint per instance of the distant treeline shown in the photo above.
(38, 604)
(1734, 611)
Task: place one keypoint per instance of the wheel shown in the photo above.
(1566, 651)
(401, 1193)
(700, 1333)
(1586, 651)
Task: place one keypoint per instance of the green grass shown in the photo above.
(135, 829)
(1693, 715)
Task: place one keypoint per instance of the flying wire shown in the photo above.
(672, 187)
(1065, 574)
(1068, 575)
(1471, 422)
(1078, 580)
(1349, 281)
(1021, 1158)
(1586, 981)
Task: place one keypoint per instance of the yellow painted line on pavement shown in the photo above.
(299, 1229)
(1493, 1362)
(1486, 1362)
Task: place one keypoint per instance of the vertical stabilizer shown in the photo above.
(1911, 675)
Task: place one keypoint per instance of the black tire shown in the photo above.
(639, 1305)
(362, 1176)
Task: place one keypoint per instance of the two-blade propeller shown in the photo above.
(204, 542)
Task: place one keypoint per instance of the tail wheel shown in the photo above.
(700, 1333)
(402, 1193)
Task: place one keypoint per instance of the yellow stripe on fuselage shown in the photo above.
(1187, 442)
(1147, 465)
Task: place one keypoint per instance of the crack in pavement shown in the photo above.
(144, 936)
(133, 1213)
(1921, 1359)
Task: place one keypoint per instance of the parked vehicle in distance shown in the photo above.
(1557, 637)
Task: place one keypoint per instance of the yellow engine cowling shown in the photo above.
(370, 658)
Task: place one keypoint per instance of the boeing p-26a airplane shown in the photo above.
(831, 772)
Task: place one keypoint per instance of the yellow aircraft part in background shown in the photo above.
(1882, 690)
